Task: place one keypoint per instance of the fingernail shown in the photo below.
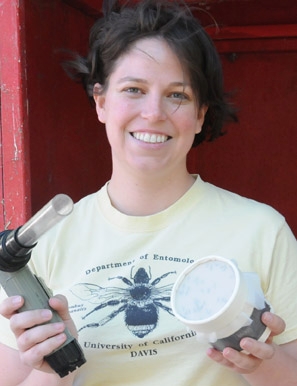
(46, 314)
(246, 344)
(61, 338)
(267, 317)
(59, 326)
(228, 353)
(16, 300)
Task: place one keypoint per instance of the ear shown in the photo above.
(200, 118)
(99, 98)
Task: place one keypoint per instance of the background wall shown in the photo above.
(69, 152)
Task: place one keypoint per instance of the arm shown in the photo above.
(267, 363)
(26, 366)
(11, 369)
(15, 373)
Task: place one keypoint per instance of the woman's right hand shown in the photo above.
(34, 338)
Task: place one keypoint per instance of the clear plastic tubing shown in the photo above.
(54, 211)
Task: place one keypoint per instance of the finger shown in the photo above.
(38, 334)
(34, 357)
(59, 303)
(218, 357)
(28, 319)
(276, 324)
(10, 305)
(242, 362)
(232, 359)
(258, 349)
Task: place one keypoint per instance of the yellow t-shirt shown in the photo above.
(117, 272)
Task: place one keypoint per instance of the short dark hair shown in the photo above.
(123, 24)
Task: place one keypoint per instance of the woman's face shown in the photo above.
(149, 110)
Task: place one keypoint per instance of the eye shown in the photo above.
(133, 90)
(180, 96)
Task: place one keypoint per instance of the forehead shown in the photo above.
(149, 53)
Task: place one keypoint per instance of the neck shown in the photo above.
(147, 195)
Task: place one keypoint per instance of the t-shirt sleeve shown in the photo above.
(282, 284)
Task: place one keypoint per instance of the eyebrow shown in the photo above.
(132, 79)
(140, 80)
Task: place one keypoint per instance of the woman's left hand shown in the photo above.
(257, 351)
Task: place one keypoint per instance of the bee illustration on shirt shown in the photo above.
(140, 301)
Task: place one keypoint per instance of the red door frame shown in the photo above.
(14, 162)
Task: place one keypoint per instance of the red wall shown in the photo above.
(68, 148)
(257, 156)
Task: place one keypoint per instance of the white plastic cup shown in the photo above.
(221, 303)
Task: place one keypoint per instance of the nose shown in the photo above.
(154, 109)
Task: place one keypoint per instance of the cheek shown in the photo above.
(190, 125)
(195, 125)
(119, 112)
(116, 126)
(112, 133)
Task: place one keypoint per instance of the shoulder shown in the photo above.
(84, 213)
(87, 202)
(232, 206)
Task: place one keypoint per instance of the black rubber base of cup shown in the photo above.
(254, 330)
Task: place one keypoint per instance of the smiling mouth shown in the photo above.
(151, 138)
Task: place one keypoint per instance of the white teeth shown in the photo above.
(150, 138)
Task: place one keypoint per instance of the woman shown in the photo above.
(157, 86)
